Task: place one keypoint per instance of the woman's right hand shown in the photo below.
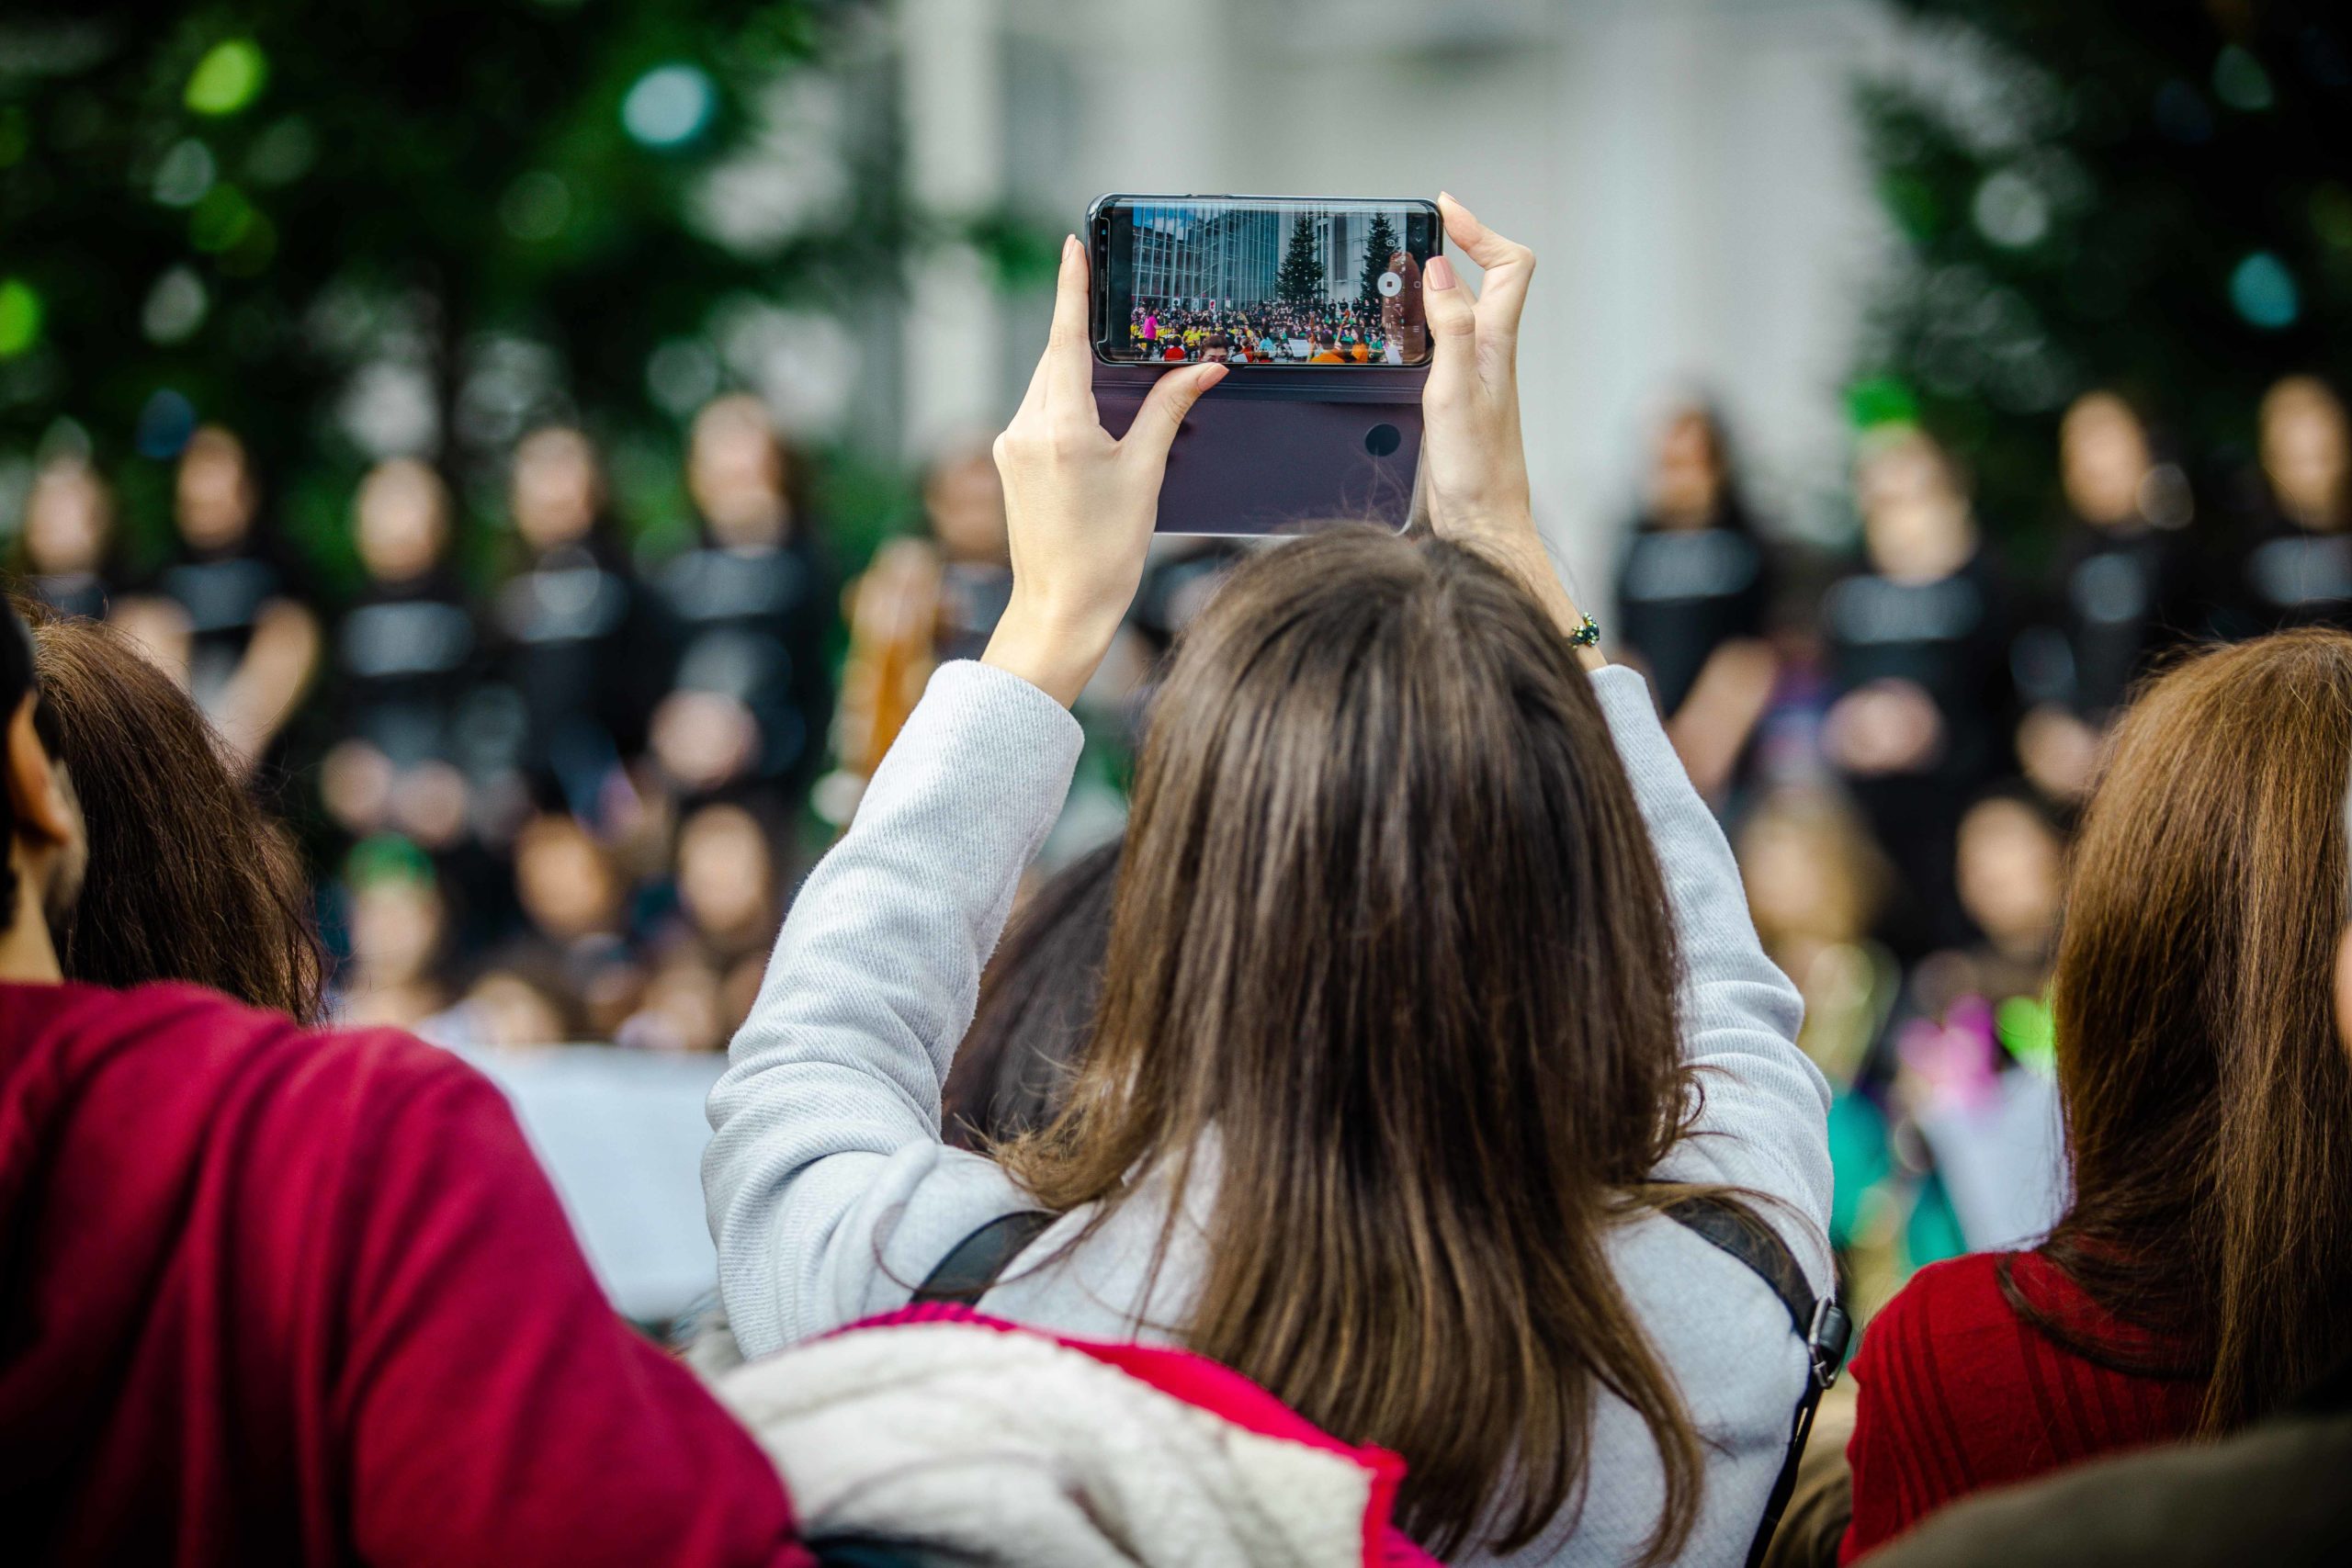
(1079, 504)
(1473, 465)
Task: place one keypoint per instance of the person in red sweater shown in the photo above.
(2201, 1277)
(278, 1295)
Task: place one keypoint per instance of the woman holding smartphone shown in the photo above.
(1431, 987)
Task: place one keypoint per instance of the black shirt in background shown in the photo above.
(751, 622)
(223, 593)
(1684, 592)
(2287, 575)
(78, 594)
(1952, 638)
(405, 656)
(2121, 597)
(584, 651)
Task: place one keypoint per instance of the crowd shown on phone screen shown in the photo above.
(550, 787)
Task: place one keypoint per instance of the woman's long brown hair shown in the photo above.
(1391, 965)
(2209, 1107)
(189, 878)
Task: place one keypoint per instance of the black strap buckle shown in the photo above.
(1826, 1341)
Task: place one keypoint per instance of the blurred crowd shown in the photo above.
(1898, 742)
(566, 800)
(1331, 331)
(561, 800)
(552, 805)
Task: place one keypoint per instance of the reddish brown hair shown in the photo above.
(2209, 1106)
(189, 878)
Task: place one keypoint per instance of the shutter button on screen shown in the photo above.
(1382, 439)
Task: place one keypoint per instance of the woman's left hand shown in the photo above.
(1080, 505)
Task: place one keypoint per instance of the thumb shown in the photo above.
(1454, 328)
(1163, 412)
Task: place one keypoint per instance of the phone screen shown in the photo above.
(1262, 280)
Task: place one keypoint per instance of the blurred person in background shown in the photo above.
(576, 903)
(1966, 1083)
(753, 605)
(278, 1294)
(2295, 561)
(397, 922)
(2201, 1274)
(520, 1000)
(1815, 882)
(920, 604)
(230, 616)
(727, 886)
(580, 646)
(67, 548)
(402, 661)
(1692, 593)
(1918, 645)
(2121, 596)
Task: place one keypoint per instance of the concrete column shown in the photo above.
(952, 90)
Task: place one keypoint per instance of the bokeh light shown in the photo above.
(2240, 81)
(185, 174)
(229, 77)
(2011, 211)
(164, 424)
(20, 317)
(175, 307)
(2264, 292)
(669, 106)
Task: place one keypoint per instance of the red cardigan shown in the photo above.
(1956, 1393)
(276, 1296)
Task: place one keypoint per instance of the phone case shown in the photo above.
(1263, 454)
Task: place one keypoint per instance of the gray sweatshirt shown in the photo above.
(831, 1195)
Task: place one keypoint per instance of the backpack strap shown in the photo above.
(1821, 1325)
(971, 1266)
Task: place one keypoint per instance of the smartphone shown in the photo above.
(1315, 303)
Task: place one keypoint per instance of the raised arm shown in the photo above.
(1764, 1125)
(829, 1192)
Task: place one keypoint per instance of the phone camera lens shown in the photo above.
(1382, 440)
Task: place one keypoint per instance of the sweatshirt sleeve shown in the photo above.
(492, 1408)
(1764, 1122)
(830, 1191)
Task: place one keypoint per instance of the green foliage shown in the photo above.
(2151, 197)
(1379, 244)
(1299, 281)
(243, 201)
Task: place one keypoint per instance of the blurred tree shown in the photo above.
(412, 223)
(2152, 197)
(1379, 244)
(1299, 281)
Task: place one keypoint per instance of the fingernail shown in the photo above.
(1449, 195)
(1438, 273)
(1215, 374)
(1069, 248)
